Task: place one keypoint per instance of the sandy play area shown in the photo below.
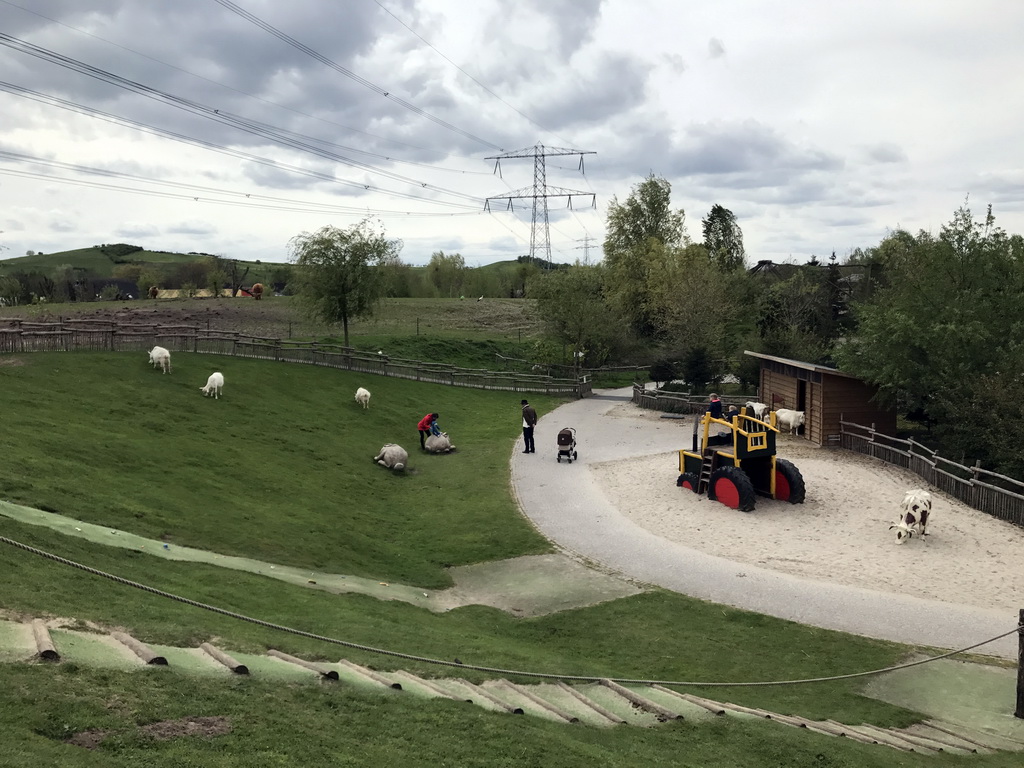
(839, 534)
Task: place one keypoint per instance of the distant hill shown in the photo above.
(101, 261)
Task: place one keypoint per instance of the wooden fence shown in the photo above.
(72, 335)
(681, 402)
(990, 492)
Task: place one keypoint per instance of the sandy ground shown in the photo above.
(839, 534)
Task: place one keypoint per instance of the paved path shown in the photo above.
(565, 503)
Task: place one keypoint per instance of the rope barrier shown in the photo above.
(479, 668)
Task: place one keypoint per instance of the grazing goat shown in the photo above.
(363, 397)
(789, 420)
(214, 384)
(159, 356)
(757, 410)
(439, 444)
(916, 508)
(393, 457)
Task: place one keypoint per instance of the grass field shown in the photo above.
(279, 470)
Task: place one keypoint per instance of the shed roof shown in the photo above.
(801, 364)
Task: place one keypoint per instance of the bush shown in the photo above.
(663, 371)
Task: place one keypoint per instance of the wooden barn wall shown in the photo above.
(850, 400)
(835, 398)
(776, 385)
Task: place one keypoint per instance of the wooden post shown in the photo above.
(1019, 712)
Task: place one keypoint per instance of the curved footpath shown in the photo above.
(566, 505)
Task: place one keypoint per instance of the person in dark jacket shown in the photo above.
(529, 422)
(427, 426)
(715, 406)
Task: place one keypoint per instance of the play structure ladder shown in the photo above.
(706, 468)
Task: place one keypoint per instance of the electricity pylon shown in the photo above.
(540, 236)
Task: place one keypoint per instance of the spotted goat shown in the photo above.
(915, 509)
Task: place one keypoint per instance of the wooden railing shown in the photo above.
(70, 335)
(681, 402)
(983, 489)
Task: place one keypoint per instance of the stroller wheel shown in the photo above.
(559, 458)
(575, 455)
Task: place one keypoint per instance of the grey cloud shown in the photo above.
(572, 22)
(191, 228)
(675, 62)
(885, 153)
(716, 48)
(137, 229)
(63, 225)
(614, 84)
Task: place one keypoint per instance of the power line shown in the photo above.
(210, 113)
(439, 53)
(359, 79)
(240, 198)
(259, 98)
(126, 122)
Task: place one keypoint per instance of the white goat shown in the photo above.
(393, 457)
(159, 356)
(916, 508)
(363, 397)
(788, 419)
(439, 444)
(757, 410)
(214, 384)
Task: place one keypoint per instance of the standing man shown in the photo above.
(529, 421)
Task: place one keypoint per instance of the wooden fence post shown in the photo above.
(1019, 712)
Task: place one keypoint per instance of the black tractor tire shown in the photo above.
(789, 483)
(688, 480)
(732, 487)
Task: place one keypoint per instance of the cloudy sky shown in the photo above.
(230, 127)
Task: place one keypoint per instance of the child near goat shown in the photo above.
(428, 426)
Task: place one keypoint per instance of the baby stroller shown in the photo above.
(567, 444)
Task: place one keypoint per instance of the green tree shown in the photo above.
(10, 290)
(640, 232)
(645, 215)
(572, 305)
(723, 239)
(946, 320)
(337, 273)
(447, 272)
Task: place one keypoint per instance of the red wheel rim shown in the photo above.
(727, 493)
(782, 490)
(688, 485)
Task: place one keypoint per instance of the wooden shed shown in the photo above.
(825, 395)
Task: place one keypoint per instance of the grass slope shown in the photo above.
(301, 726)
(279, 469)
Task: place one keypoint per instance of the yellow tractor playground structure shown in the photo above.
(735, 467)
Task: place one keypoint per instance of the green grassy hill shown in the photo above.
(96, 262)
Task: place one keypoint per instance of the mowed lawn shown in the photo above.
(278, 469)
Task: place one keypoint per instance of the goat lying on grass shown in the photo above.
(393, 457)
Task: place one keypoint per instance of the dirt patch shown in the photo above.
(206, 727)
(88, 739)
(164, 730)
(11, 361)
